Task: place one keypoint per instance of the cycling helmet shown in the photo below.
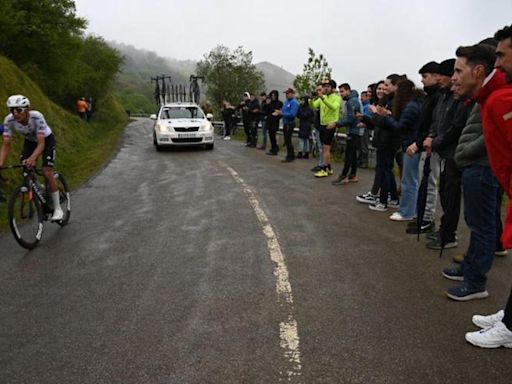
(18, 101)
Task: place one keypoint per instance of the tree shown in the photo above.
(228, 74)
(314, 71)
(45, 38)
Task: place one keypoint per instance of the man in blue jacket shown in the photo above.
(289, 113)
(349, 120)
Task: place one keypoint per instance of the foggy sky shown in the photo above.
(363, 41)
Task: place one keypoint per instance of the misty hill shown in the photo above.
(135, 90)
(275, 77)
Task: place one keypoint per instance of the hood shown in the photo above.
(274, 92)
(353, 93)
(306, 100)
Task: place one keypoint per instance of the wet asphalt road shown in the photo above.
(164, 276)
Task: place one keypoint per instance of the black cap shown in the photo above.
(446, 67)
(431, 67)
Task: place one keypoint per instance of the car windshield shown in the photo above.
(181, 113)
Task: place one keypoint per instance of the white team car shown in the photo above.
(182, 124)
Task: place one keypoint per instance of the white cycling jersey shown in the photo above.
(35, 127)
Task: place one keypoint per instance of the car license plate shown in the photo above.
(186, 135)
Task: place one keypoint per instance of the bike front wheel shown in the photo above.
(64, 197)
(25, 217)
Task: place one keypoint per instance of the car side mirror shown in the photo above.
(209, 116)
(152, 117)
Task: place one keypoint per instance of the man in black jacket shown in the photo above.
(429, 77)
(273, 116)
(443, 116)
(255, 115)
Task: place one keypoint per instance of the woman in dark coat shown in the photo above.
(306, 116)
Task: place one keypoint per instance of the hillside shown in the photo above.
(275, 77)
(81, 147)
(135, 90)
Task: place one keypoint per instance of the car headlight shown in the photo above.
(206, 127)
(162, 128)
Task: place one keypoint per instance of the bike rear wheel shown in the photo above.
(25, 217)
(64, 197)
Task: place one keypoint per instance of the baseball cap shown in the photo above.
(289, 90)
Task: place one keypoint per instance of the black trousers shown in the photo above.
(351, 150)
(247, 130)
(288, 132)
(450, 191)
(254, 132)
(272, 131)
(507, 320)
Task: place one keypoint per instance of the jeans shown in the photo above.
(435, 169)
(384, 176)
(480, 189)
(507, 320)
(499, 223)
(353, 146)
(410, 185)
(303, 145)
(319, 148)
(264, 133)
(288, 132)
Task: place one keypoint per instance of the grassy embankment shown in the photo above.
(81, 147)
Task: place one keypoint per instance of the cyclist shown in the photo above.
(39, 140)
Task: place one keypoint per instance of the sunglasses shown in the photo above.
(17, 110)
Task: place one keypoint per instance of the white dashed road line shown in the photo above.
(288, 329)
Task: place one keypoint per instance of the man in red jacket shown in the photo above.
(495, 98)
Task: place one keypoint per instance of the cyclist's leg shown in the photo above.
(47, 169)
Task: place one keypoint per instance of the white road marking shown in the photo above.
(288, 329)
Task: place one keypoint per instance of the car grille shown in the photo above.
(188, 140)
(189, 129)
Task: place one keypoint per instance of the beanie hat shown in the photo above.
(247, 94)
(446, 67)
(430, 67)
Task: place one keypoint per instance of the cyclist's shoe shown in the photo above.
(317, 168)
(58, 214)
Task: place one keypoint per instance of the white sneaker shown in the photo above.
(398, 217)
(491, 337)
(378, 207)
(488, 321)
(58, 214)
(227, 138)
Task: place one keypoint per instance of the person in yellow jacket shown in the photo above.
(329, 104)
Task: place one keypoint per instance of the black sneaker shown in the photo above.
(317, 168)
(436, 244)
(434, 236)
(426, 227)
